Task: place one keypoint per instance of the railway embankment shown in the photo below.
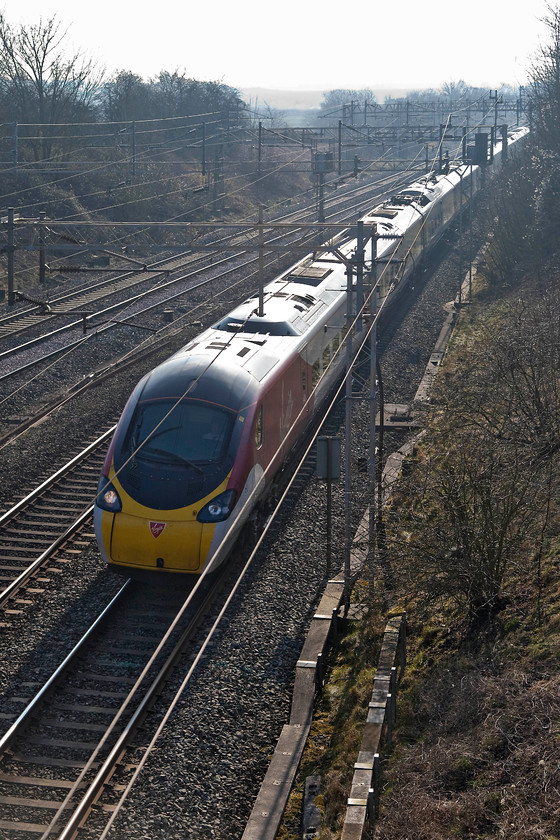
(473, 542)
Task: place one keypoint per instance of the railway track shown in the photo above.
(46, 525)
(32, 370)
(87, 300)
(59, 752)
(107, 316)
(250, 667)
(22, 369)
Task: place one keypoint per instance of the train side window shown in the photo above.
(259, 428)
(326, 356)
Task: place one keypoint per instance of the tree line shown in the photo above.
(42, 83)
(479, 505)
(451, 94)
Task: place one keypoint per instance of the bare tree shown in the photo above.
(545, 84)
(39, 83)
(508, 386)
(476, 505)
(347, 103)
(127, 97)
(475, 510)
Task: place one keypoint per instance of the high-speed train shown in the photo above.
(204, 433)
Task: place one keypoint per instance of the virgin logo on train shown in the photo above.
(156, 528)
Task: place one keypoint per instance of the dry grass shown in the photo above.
(478, 735)
(477, 742)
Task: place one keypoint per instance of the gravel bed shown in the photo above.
(46, 630)
(206, 770)
(203, 777)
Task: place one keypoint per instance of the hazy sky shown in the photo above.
(409, 44)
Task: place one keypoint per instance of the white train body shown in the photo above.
(171, 497)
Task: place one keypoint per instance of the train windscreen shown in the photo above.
(174, 453)
(184, 431)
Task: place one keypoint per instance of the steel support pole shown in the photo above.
(348, 440)
(10, 249)
(504, 144)
(329, 506)
(339, 147)
(42, 263)
(261, 262)
(359, 276)
(321, 214)
(203, 149)
(471, 248)
(133, 150)
(372, 445)
(461, 261)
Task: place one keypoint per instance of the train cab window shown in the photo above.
(259, 428)
(173, 452)
(183, 433)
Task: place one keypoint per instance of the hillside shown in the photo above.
(477, 750)
(473, 540)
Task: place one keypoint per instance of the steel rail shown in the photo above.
(108, 766)
(13, 731)
(16, 584)
(17, 508)
(13, 587)
(160, 266)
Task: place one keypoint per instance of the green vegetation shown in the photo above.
(473, 537)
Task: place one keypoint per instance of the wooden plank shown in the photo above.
(50, 762)
(32, 828)
(49, 741)
(36, 781)
(74, 724)
(22, 802)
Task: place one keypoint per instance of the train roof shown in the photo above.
(292, 303)
(190, 374)
(396, 213)
(243, 347)
(246, 345)
(414, 200)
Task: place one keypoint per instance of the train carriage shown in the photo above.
(204, 433)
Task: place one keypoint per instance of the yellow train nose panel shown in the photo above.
(156, 543)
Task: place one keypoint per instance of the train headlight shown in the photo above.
(107, 496)
(219, 508)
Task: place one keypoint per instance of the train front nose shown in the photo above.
(152, 543)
